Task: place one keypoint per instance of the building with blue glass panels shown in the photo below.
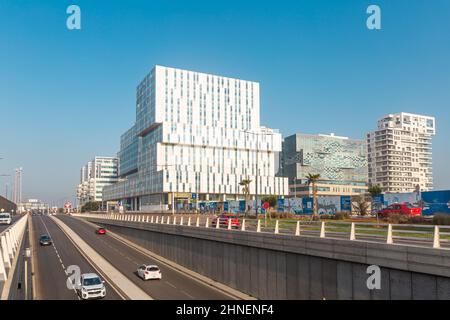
(340, 161)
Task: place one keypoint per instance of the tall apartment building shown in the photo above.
(94, 176)
(340, 161)
(400, 154)
(196, 135)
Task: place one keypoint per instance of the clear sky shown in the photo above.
(66, 96)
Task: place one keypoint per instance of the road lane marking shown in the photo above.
(187, 294)
(120, 281)
(57, 254)
(203, 280)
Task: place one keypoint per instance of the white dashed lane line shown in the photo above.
(57, 253)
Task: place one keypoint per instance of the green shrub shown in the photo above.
(398, 219)
(441, 219)
(404, 219)
(341, 215)
(417, 220)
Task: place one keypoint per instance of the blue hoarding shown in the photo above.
(436, 202)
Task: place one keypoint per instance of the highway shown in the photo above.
(50, 263)
(174, 285)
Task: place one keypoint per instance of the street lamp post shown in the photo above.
(6, 185)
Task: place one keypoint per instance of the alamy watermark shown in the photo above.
(374, 280)
(73, 21)
(74, 276)
(374, 20)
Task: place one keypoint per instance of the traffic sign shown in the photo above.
(266, 205)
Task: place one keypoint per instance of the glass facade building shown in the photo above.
(341, 163)
(195, 134)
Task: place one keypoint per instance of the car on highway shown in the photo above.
(100, 230)
(406, 209)
(147, 272)
(223, 221)
(45, 240)
(5, 218)
(91, 286)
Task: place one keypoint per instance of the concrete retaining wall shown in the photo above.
(270, 266)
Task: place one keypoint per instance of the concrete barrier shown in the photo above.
(10, 243)
(279, 266)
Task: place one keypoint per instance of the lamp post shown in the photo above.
(6, 185)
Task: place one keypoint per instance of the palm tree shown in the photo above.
(312, 180)
(246, 190)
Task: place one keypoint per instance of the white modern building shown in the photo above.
(196, 137)
(400, 153)
(95, 175)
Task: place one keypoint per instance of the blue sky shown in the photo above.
(66, 96)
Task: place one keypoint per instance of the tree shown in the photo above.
(360, 205)
(272, 200)
(312, 180)
(374, 191)
(90, 206)
(246, 190)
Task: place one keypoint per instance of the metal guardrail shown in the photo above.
(432, 236)
(10, 240)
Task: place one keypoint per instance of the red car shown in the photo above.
(100, 230)
(223, 221)
(400, 208)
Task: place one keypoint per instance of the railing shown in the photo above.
(10, 240)
(432, 236)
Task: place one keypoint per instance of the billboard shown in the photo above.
(436, 202)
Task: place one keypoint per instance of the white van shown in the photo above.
(5, 218)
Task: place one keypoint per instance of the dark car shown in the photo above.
(45, 240)
(100, 230)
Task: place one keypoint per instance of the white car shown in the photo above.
(91, 286)
(5, 218)
(147, 272)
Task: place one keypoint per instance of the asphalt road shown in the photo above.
(174, 285)
(13, 220)
(52, 261)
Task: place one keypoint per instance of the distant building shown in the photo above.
(94, 176)
(400, 153)
(7, 205)
(340, 161)
(196, 137)
(32, 205)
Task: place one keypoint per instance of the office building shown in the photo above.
(400, 153)
(94, 176)
(340, 161)
(196, 137)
